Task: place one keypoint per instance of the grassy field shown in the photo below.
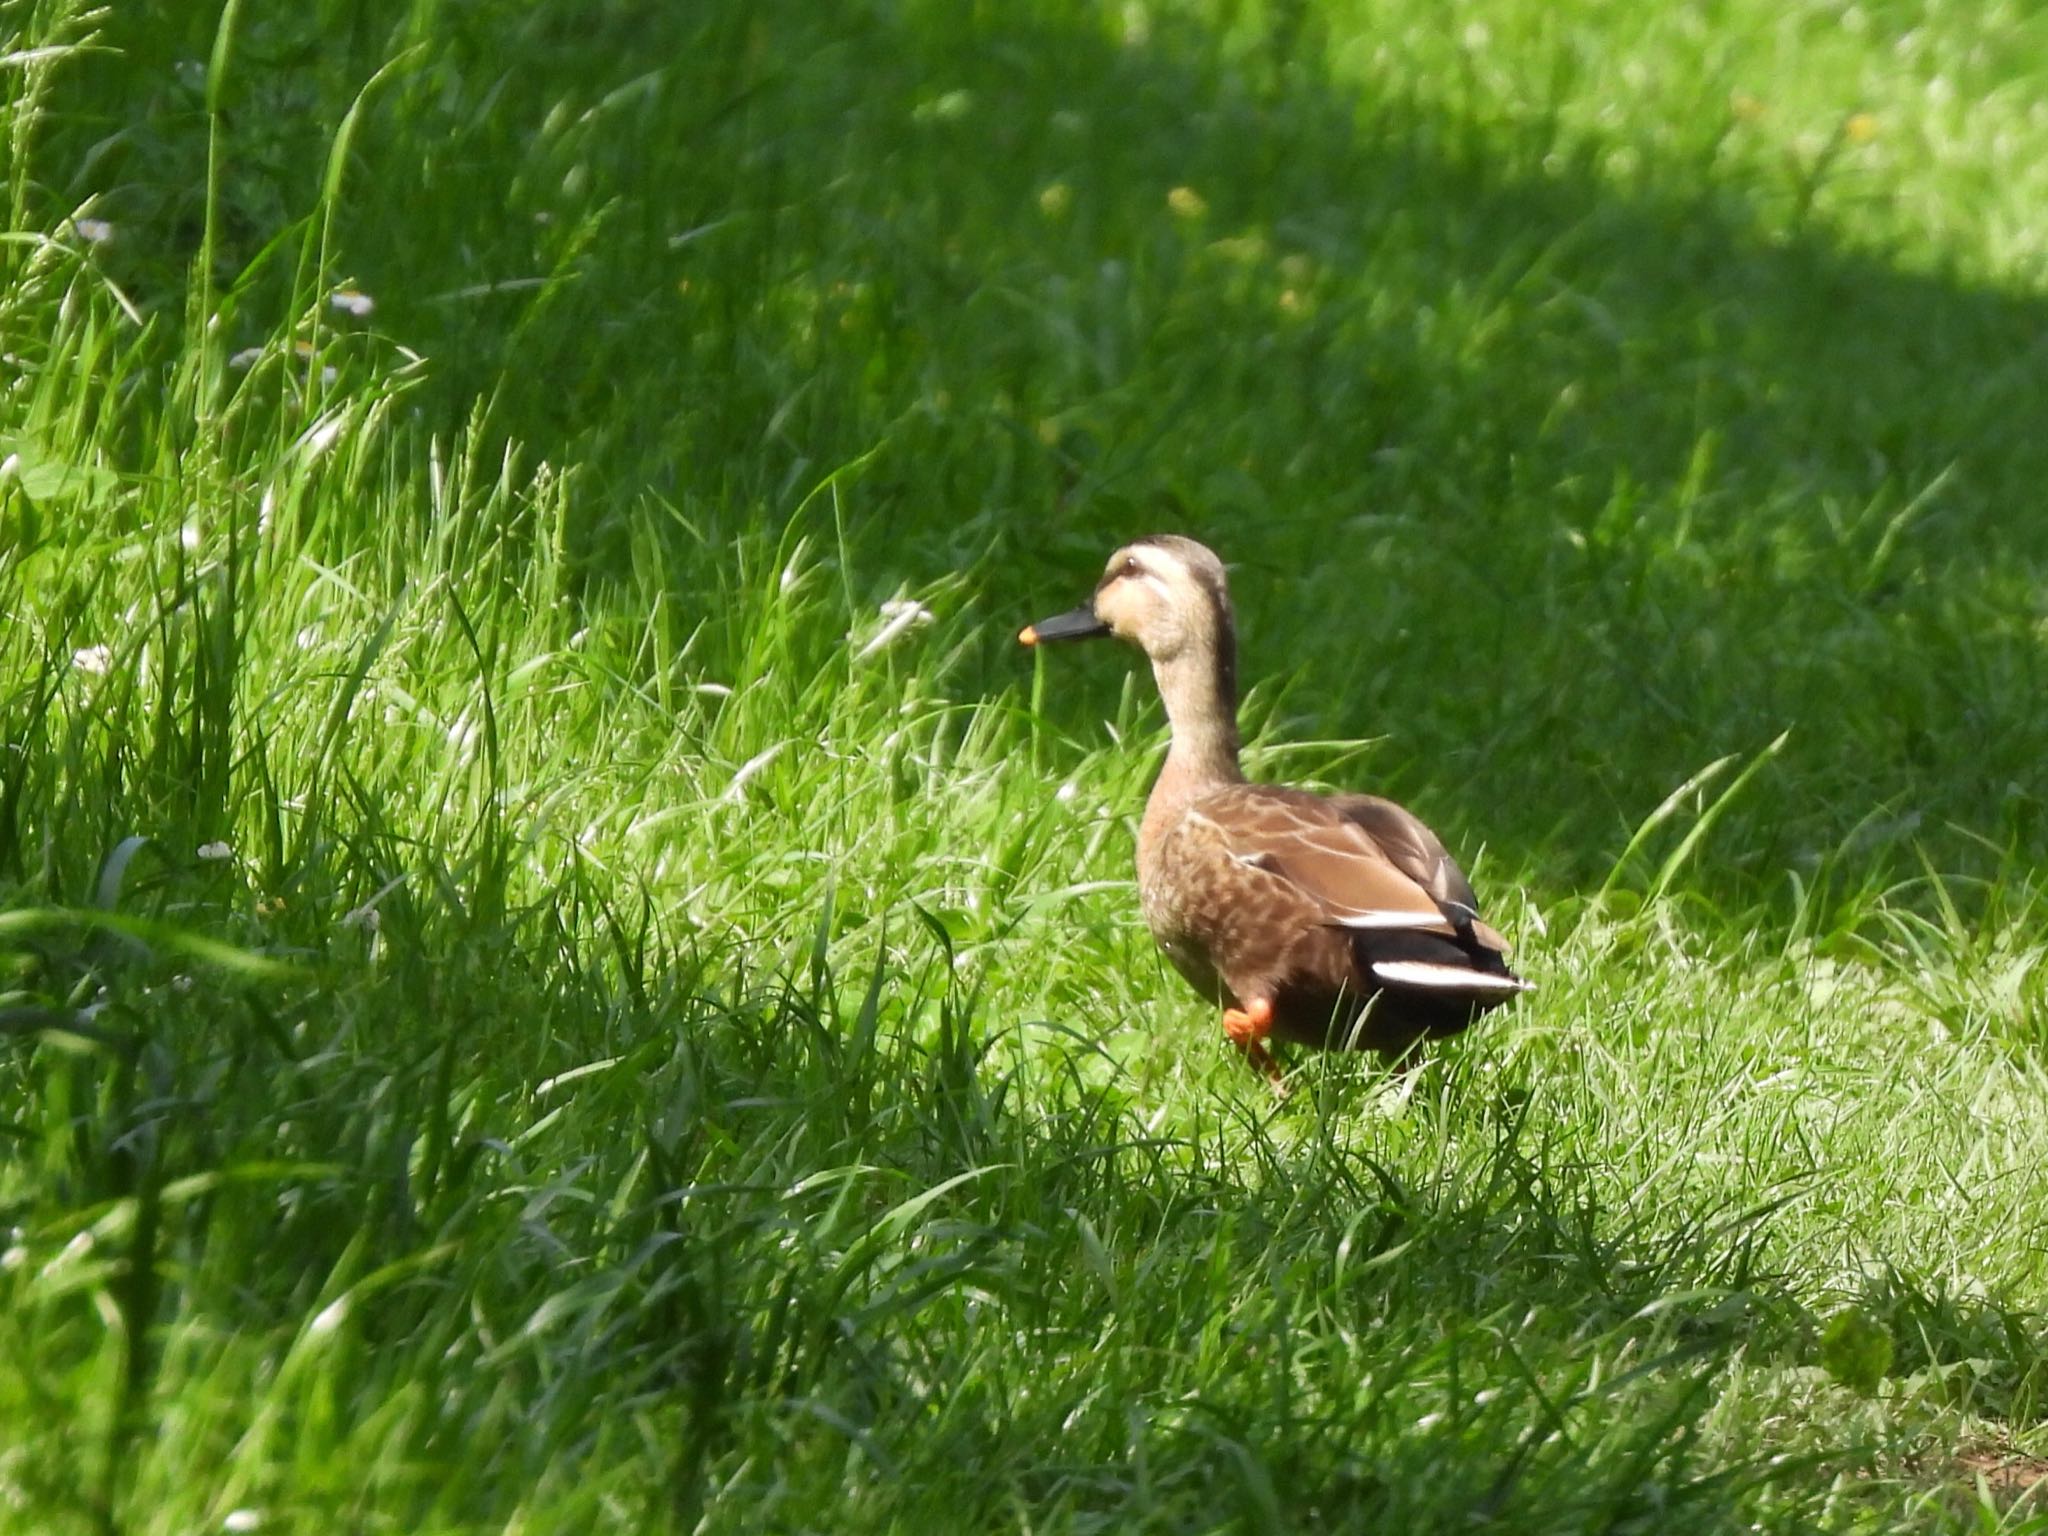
(564, 973)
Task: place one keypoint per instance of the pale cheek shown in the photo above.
(1164, 638)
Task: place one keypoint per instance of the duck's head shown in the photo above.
(1166, 595)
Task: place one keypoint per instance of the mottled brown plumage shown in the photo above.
(1329, 921)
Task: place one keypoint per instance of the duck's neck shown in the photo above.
(1199, 690)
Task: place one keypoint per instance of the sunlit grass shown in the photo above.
(563, 972)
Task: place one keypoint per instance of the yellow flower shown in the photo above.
(1186, 203)
(1859, 128)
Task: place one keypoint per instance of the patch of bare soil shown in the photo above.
(2007, 1473)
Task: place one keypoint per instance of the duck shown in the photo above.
(1336, 921)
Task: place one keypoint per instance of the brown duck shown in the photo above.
(1315, 920)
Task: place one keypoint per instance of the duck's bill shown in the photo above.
(1078, 625)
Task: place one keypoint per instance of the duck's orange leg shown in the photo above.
(1248, 1029)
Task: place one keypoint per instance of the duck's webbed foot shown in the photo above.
(1248, 1029)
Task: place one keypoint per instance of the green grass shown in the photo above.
(530, 1003)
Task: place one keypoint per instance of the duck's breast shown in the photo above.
(1231, 927)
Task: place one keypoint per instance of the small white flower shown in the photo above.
(352, 301)
(93, 231)
(898, 614)
(239, 1520)
(304, 351)
(246, 358)
(1065, 793)
(189, 536)
(215, 852)
(365, 916)
(94, 659)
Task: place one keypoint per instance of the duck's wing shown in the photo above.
(1412, 848)
(1378, 873)
(1333, 857)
